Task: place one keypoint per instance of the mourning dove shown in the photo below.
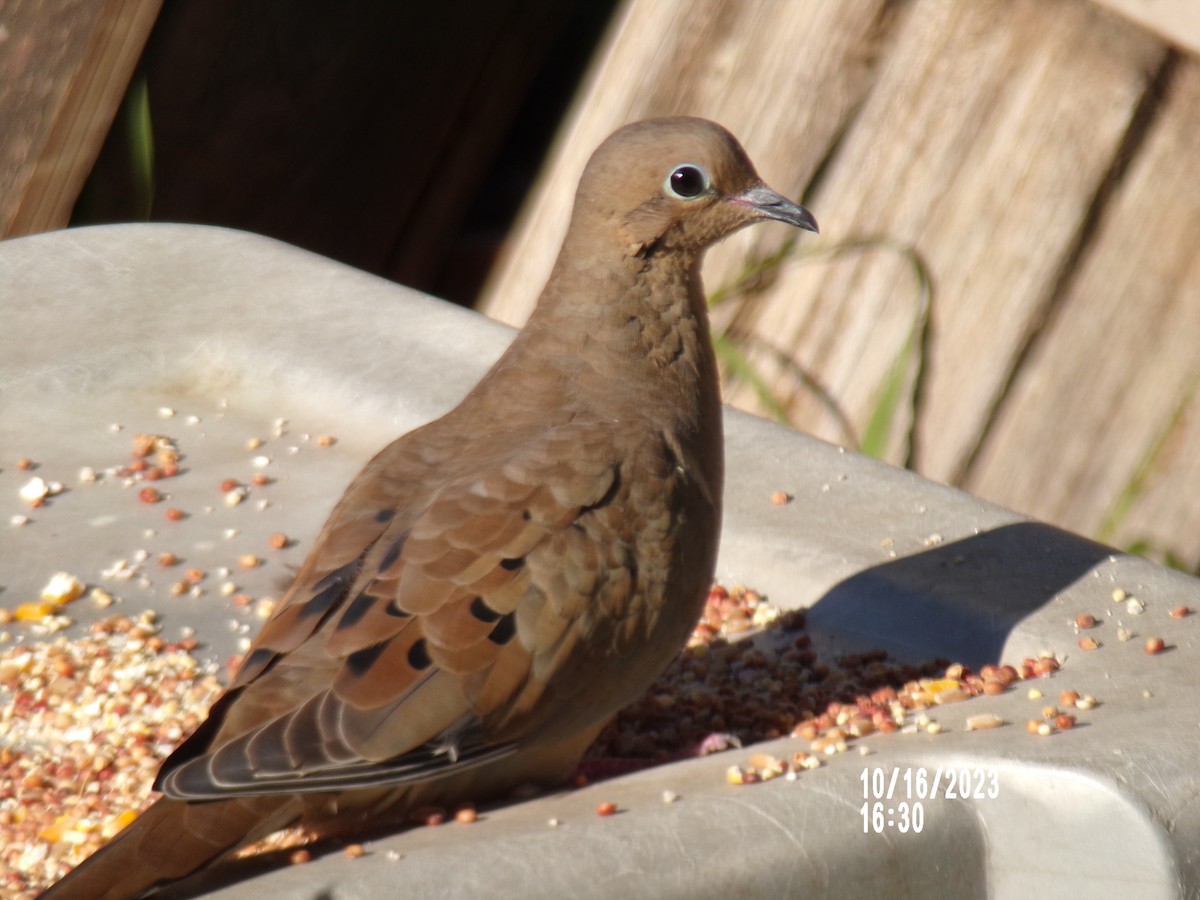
(494, 585)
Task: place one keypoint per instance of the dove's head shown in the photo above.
(674, 185)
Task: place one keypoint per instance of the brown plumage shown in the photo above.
(493, 586)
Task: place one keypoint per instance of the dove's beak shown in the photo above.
(770, 205)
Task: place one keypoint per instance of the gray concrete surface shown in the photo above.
(104, 326)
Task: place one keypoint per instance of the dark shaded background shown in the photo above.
(398, 137)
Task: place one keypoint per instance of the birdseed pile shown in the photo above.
(85, 722)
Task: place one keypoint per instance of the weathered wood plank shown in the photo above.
(64, 67)
(1112, 386)
(784, 77)
(1176, 21)
(989, 131)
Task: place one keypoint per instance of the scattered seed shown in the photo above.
(63, 587)
(1085, 620)
(1180, 612)
(1064, 721)
(326, 440)
(1044, 666)
(466, 814)
(983, 722)
(149, 495)
(354, 851)
(1088, 643)
(1119, 595)
(1155, 645)
(605, 808)
(1068, 698)
(300, 856)
(781, 498)
(143, 445)
(278, 541)
(248, 561)
(34, 491)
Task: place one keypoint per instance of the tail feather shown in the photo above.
(169, 841)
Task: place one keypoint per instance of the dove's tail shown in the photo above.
(169, 841)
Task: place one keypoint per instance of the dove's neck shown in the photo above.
(632, 334)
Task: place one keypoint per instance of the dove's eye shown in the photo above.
(687, 181)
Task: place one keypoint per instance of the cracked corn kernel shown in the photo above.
(63, 587)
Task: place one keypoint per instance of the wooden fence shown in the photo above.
(1038, 161)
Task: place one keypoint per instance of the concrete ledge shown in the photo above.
(105, 325)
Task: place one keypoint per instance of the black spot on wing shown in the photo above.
(504, 630)
(393, 554)
(329, 590)
(418, 656)
(482, 611)
(512, 565)
(360, 661)
(385, 515)
(355, 611)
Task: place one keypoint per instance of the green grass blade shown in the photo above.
(140, 132)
